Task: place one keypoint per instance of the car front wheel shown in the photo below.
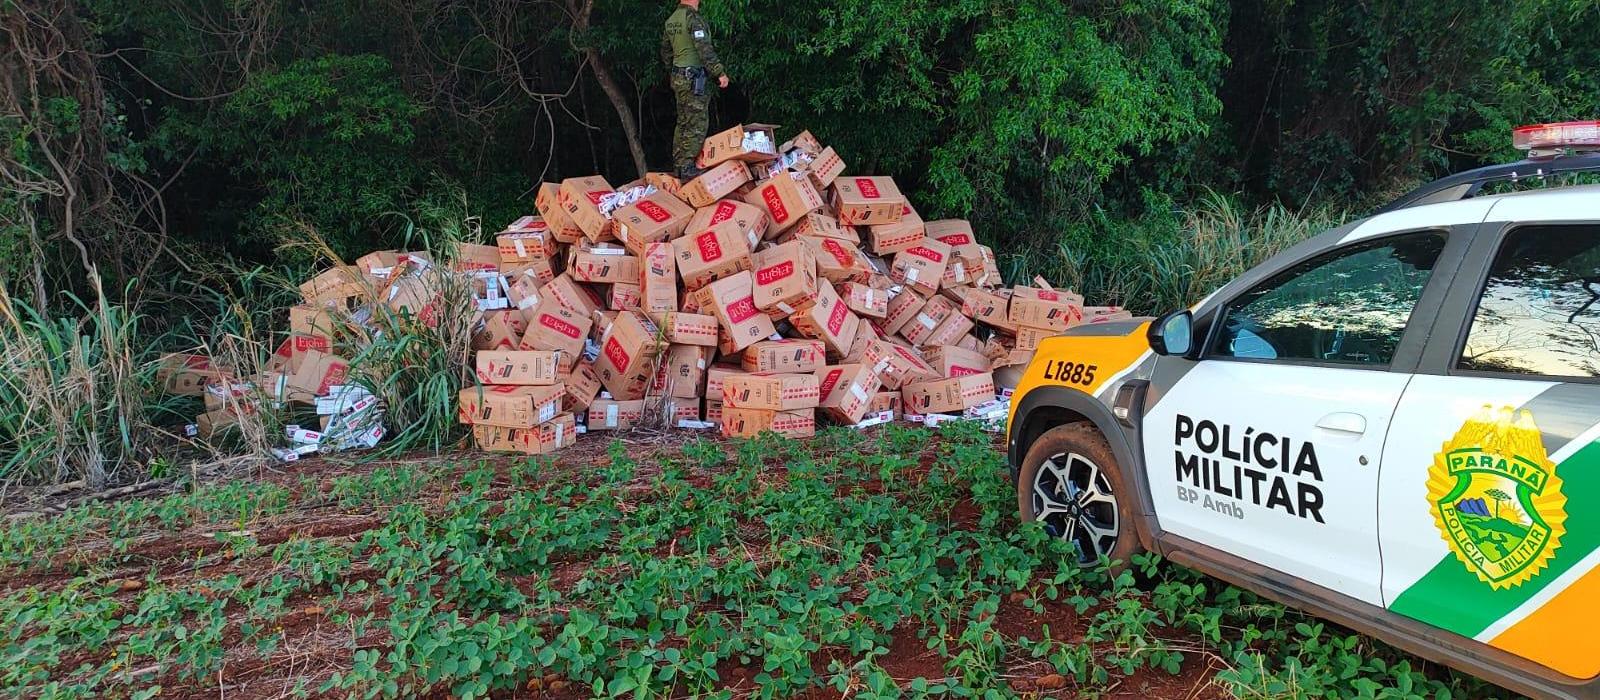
(1070, 481)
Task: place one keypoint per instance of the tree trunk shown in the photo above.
(602, 75)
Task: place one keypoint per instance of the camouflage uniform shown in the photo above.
(686, 50)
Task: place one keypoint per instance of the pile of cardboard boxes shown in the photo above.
(771, 291)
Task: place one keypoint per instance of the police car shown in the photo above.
(1392, 425)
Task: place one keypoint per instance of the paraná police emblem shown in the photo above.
(1496, 498)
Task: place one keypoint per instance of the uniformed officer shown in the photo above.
(686, 50)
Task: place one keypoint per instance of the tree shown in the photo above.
(1498, 497)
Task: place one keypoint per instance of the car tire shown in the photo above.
(1060, 466)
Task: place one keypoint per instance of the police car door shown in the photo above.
(1268, 446)
(1487, 514)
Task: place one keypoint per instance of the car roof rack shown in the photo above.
(1467, 184)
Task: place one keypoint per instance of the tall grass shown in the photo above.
(1160, 263)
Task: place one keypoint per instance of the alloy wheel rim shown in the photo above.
(1073, 498)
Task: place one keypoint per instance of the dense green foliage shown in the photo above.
(1069, 132)
(880, 566)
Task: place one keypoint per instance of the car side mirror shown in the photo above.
(1173, 334)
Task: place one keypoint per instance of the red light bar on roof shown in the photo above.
(1582, 135)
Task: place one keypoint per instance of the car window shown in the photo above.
(1348, 306)
(1539, 313)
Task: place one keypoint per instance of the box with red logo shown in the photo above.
(949, 331)
(829, 321)
(750, 143)
(989, 308)
(602, 264)
(548, 202)
(750, 422)
(658, 284)
(312, 320)
(526, 240)
(751, 219)
(611, 414)
(566, 292)
(787, 355)
(885, 401)
(1105, 314)
(291, 353)
(735, 308)
(838, 261)
(772, 392)
(624, 296)
(820, 225)
(552, 326)
(1045, 308)
(921, 266)
(688, 329)
(903, 307)
(846, 391)
(502, 329)
(703, 257)
(826, 167)
(678, 409)
(887, 239)
(896, 365)
(785, 276)
(509, 406)
(716, 375)
(957, 233)
(1028, 338)
(927, 320)
(334, 286)
(518, 367)
(954, 361)
(187, 374)
(681, 373)
(951, 395)
(715, 183)
(471, 257)
(713, 412)
(865, 300)
(868, 201)
(580, 199)
(626, 353)
(786, 199)
(542, 270)
(545, 438)
(656, 217)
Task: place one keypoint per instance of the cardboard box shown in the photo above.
(526, 240)
(717, 375)
(887, 239)
(820, 225)
(957, 233)
(838, 261)
(623, 296)
(847, 391)
(951, 395)
(785, 277)
(823, 169)
(989, 308)
(803, 141)
(682, 328)
(954, 361)
(292, 351)
(865, 300)
(868, 201)
(751, 218)
(378, 265)
(772, 392)
(581, 383)
(184, 374)
(885, 401)
(750, 422)
(545, 438)
(735, 308)
(610, 414)
(555, 327)
(783, 356)
(786, 199)
(921, 266)
(666, 182)
(703, 257)
(1046, 309)
(626, 353)
(1105, 314)
(602, 264)
(334, 286)
(896, 365)
(656, 217)
(518, 367)
(658, 283)
(317, 372)
(989, 274)
(580, 199)
(678, 409)
(471, 257)
(750, 143)
(416, 296)
(548, 202)
(713, 412)
(715, 183)
(502, 330)
(566, 292)
(490, 438)
(681, 373)
(903, 308)
(927, 320)
(949, 331)
(1028, 338)
(509, 406)
(829, 321)
(306, 319)
(213, 424)
(541, 270)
